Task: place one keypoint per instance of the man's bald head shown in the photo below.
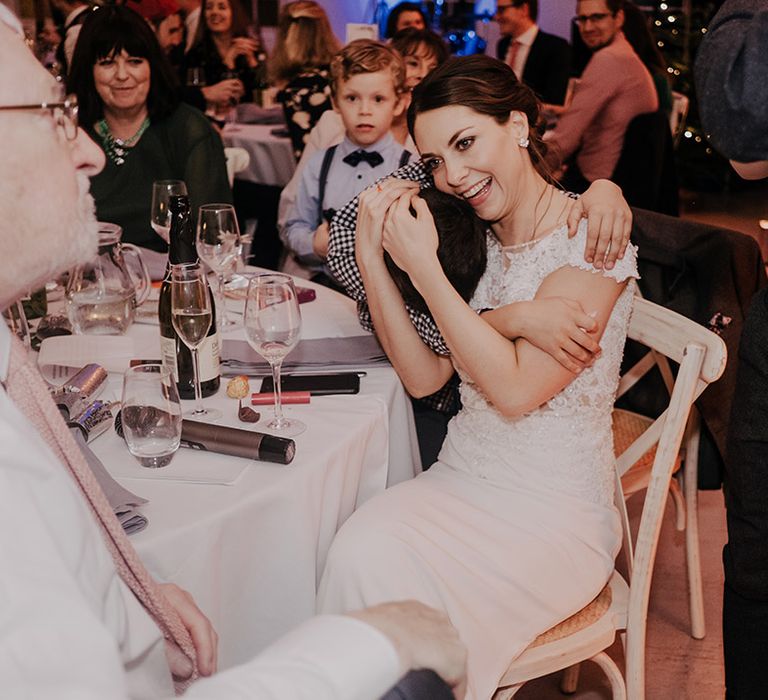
(47, 222)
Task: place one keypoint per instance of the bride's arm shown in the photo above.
(421, 370)
(515, 376)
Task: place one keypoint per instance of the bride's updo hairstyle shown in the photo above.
(487, 86)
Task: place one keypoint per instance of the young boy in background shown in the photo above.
(367, 86)
(422, 51)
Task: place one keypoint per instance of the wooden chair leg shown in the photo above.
(692, 554)
(611, 670)
(570, 679)
(680, 509)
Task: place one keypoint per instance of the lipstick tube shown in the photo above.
(288, 397)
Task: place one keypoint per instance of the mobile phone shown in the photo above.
(316, 384)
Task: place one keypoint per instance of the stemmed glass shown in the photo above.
(218, 245)
(191, 313)
(272, 327)
(151, 414)
(160, 214)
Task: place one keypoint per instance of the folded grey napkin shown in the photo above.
(121, 499)
(320, 353)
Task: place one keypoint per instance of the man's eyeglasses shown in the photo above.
(581, 20)
(64, 113)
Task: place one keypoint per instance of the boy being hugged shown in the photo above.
(368, 90)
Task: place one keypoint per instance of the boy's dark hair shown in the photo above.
(461, 250)
(408, 41)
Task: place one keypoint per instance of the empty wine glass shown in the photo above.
(191, 313)
(160, 214)
(151, 414)
(218, 245)
(272, 327)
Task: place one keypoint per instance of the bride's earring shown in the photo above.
(523, 142)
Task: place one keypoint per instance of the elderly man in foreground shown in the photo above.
(80, 616)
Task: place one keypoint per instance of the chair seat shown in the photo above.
(627, 427)
(585, 617)
(577, 638)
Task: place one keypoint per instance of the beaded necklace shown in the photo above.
(117, 150)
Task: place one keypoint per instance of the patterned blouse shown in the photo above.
(304, 100)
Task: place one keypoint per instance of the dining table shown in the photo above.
(249, 539)
(269, 147)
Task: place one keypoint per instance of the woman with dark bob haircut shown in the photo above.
(128, 103)
(513, 529)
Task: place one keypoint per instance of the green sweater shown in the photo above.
(184, 146)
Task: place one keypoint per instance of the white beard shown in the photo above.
(40, 243)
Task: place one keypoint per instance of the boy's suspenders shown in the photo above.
(326, 166)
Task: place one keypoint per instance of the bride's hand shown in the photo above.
(411, 239)
(556, 325)
(373, 204)
(609, 221)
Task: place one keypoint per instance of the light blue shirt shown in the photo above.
(344, 183)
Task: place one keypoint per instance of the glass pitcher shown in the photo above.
(102, 295)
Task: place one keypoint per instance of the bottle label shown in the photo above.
(208, 356)
(168, 355)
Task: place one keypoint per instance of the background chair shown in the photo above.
(645, 170)
(623, 606)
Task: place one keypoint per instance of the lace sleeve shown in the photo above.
(624, 269)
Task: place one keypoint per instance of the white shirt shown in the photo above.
(70, 628)
(524, 41)
(190, 22)
(328, 132)
(70, 38)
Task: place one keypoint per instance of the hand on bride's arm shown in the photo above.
(609, 222)
(556, 325)
(371, 211)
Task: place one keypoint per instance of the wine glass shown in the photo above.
(160, 214)
(218, 245)
(272, 327)
(151, 414)
(191, 316)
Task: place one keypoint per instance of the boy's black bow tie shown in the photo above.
(373, 158)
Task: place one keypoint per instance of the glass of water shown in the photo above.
(151, 414)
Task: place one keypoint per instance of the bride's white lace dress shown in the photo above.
(514, 528)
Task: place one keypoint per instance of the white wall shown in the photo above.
(555, 16)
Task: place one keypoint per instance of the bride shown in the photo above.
(513, 529)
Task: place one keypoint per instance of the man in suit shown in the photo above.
(542, 61)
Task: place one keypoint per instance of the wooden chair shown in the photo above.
(623, 606)
(627, 427)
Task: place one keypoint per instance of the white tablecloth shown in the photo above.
(251, 552)
(272, 161)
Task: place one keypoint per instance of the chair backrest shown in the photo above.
(640, 168)
(678, 115)
(701, 355)
(237, 161)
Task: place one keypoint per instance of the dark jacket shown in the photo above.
(698, 271)
(547, 67)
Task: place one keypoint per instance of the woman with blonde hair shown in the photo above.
(300, 66)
